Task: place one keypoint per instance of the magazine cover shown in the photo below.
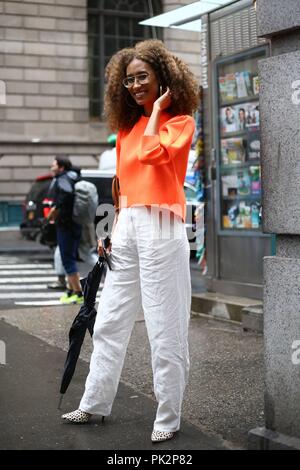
(242, 215)
(229, 185)
(238, 118)
(229, 119)
(240, 112)
(222, 88)
(237, 85)
(247, 78)
(255, 179)
(244, 183)
(230, 218)
(231, 86)
(242, 91)
(252, 114)
(255, 81)
(233, 151)
(253, 146)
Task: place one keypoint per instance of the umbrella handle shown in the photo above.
(105, 254)
(107, 259)
(60, 401)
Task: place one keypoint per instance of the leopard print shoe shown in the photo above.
(77, 416)
(160, 436)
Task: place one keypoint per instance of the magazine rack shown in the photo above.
(239, 143)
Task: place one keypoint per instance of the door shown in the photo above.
(240, 242)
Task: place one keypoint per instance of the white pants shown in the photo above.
(149, 273)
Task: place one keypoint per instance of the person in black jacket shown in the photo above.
(68, 232)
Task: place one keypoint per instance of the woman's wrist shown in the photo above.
(156, 109)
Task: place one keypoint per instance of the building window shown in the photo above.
(113, 25)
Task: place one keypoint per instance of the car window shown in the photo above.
(103, 185)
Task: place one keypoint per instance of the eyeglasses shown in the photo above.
(141, 78)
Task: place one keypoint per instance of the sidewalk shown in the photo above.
(223, 400)
(29, 418)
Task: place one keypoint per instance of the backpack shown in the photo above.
(85, 202)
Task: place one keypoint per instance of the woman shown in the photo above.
(149, 98)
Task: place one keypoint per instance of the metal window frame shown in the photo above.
(101, 13)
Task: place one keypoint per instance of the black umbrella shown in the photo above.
(85, 320)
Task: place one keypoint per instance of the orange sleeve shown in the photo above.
(174, 134)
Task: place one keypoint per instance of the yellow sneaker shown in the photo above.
(79, 299)
(71, 299)
(67, 298)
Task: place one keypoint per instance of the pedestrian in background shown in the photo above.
(86, 253)
(150, 97)
(108, 158)
(68, 232)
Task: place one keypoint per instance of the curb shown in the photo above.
(222, 306)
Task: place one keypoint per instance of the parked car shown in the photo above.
(37, 203)
(102, 179)
(33, 207)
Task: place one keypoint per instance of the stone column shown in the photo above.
(280, 138)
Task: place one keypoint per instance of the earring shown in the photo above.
(160, 90)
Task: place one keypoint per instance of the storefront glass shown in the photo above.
(239, 143)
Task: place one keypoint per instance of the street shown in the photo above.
(24, 279)
(224, 397)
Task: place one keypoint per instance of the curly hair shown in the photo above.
(120, 109)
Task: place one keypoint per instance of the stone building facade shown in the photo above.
(44, 66)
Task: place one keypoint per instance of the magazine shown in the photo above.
(242, 91)
(228, 118)
(231, 86)
(252, 114)
(240, 112)
(222, 88)
(242, 215)
(233, 151)
(237, 85)
(234, 118)
(244, 183)
(255, 178)
(255, 81)
(229, 185)
(253, 146)
(247, 78)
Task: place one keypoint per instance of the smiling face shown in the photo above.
(144, 94)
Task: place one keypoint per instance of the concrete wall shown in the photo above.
(280, 131)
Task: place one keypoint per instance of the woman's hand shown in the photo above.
(101, 248)
(164, 101)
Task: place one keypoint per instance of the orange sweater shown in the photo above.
(152, 169)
